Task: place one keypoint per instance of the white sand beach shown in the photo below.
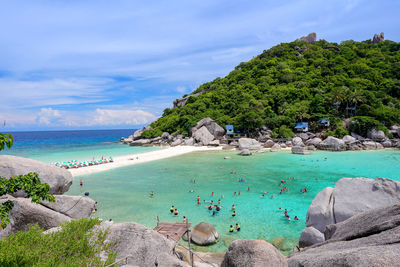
(141, 158)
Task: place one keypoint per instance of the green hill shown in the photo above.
(298, 81)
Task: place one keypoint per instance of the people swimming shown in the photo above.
(234, 213)
(191, 191)
(237, 227)
(233, 207)
(172, 209)
(184, 219)
(212, 194)
(175, 212)
(151, 193)
(296, 218)
(231, 229)
(219, 201)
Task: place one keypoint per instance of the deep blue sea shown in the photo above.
(52, 146)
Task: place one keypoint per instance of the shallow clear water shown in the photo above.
(53, 146)
(123, 194)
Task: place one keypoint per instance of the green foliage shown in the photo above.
(285, 132)
(152, 133)
(279, 88)
(30, 183)
(77, 244)
(340, 132)
(6, 140)
(329, 133)
(362, 124)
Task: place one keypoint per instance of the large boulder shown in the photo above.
(313, 142)
(143, 247)
(300, 150)
(378, 38)
(214, 129)
(387, 143)
(304, 136)
(350, 197)
(75, 207)
(371, 238)
(203, 135)
(204, 234)
(189, 142)
(255, 253)
(249, 143)
(376, 135)
(57, 178)
(297, 141)
(137, 134)
(244, 152)
(348, 139)
(177, 142)
(26, 213)
(332, 143)
(310, 38)
(140, 142)
(275, 148)
(370, 145)
(269, 143)
(310, 236)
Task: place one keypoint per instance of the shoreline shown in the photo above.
(131, 159)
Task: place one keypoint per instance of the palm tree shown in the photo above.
(357, 97)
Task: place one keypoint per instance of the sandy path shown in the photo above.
(142, 157)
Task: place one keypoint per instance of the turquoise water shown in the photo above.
(53, 146)
(123, 193)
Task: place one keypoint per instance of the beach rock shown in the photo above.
(370, 238)
(227, 157)
(75, 207)
(140, 142)
(378, 38)
(214, 129)
(310, 236)
(177, 142)
(297, 141)
(349, 139)
(320, 212)
(269, 143)
(214, 143)
(251, 252)
(282, 145)
(334, 205)
(289, 143)
(261, 150)
(311, 148)
(189, 142)
(234, 143)
(370, 145)
(310, 38)
(127, 140)
(275, 148)
(244, 152)
(180, 102)
(332, 143)
(227, 147)
(57, 178)
(204, 234)
(165, 135)
(137, 135)
(376, 135)
(387, 143)
(26, 213)
(313, 142)
(203, 135)
(356, 136)
(300, 150)
(248, 143)
(304, 136)
(143, 247)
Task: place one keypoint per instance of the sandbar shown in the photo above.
(132, 159)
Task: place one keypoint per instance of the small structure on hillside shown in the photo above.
(230, 131)
(301, 127)
(324, 122)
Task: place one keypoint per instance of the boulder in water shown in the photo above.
(249, 143)
(204, 234)
(333, 144)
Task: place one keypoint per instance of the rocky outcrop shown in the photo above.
(333, 144)
(269, 143)
(370, 145)
(140, 142)
(137, 135)
(310, 38)
(249, 252)
(376, 135)
(378, 38)
(297, 141)
(180, 102)
(204, 234)
(248, 143)
(313, 142)
(275, 148)
(348, 139)
(301, 150)
(143, 247)
(57, 178)
(370, 238)
(212, 127)
(203, 135)
(244, 152)
(310, 236)
(334, 205)
(75, 207)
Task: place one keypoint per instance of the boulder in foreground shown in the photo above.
(255, 253)
(204, 234)
(57, 178)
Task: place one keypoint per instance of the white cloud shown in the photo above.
(48, 116)
(181, 89)
(109, 117)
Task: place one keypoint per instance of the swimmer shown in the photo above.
(239, 193)
(231, 229)
(219, 201)
(191, 191)
(81, 182)
(184, 219)
(209, 207)
(151, 193)
(262, 195)
(234, 193)
(234, 213)
(218, 208)
(296, 218)
(212, 194)
(237, 226)
(172, 209)
(175, 212)
(198, 198)
(233, 207)
(213, 214)
(248, 189)
(222, 196)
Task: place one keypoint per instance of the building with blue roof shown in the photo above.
(301, 127)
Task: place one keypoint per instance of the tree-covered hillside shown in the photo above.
(298, 81)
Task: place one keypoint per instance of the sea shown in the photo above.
(252, 184)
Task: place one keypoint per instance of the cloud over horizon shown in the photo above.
(121, 63)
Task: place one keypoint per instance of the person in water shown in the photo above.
(218, 208)
(296, 218)
(81, 182)
(233, 207)
(213, 213)
(234, 193)
(172, 209)
(234, 213)
(237, 226)
(209, 207)
(219, 201)
(184, 219)
(151, 193)
(231, 229)
(175, 212)
(212, 194)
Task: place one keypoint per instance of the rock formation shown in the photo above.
(332, 143)
(180, 102)
(300, 150)
(255, 253)
(248, 143)
(310, 38)
(204, 234)
(378, 38)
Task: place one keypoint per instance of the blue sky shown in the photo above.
(118, 64)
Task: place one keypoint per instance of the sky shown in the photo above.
(118, 64)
